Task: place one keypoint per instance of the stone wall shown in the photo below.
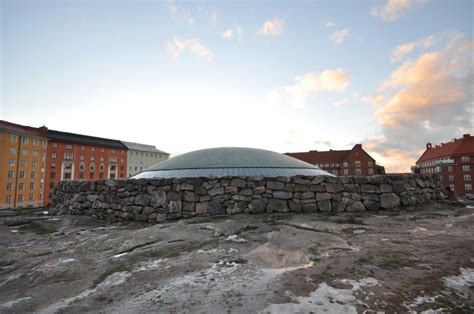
(167, 199)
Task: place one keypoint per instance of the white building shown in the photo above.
(142, 156)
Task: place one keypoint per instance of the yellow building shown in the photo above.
(22, 165)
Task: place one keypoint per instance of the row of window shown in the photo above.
(22, 174)
(357, 164)
(438, 161)
(24, 152)
(26, 140)
(70, 156)
(146, 154)
(450, 169)
(21, 186)
(467, 187)
(24, 163)
(31, 197)
(467, 177)
(83, 148)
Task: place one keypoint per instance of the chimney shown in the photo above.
(358, 145)
(428, 145)
(466, 135)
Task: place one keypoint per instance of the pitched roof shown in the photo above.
(143, 147)
(85, 139)
(464, 145)
(22, 128)
(316, 157)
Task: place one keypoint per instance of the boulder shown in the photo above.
(389, 201)
(279, 206)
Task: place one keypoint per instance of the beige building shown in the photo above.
(142, 156)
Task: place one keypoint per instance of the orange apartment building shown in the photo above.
(22, 165)
(355, 161)
(454, 161)
(80, 157)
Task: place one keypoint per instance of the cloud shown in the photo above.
(214, 16)
(272, 27)
(299, 93)
(179, 13)
(394, 9)
(178, 46)
(329, 24)
(399, 52)
(427, 98)
(339, 36)
(236, 31)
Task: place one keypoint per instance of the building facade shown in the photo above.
(142, 156)
(342, 162)
(22, 165)
(72, 156)
(454, 161)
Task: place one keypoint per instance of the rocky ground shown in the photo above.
(419, 259)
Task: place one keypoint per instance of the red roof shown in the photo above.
(315, 157)
(461, 146)
(22, 128)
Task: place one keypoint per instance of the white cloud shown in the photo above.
(299, 93)
(180, 13)
(399, 52)
(329, 24)
(178, 46)
(236, 31)
(392, 10)
(273, 27)
(339, 36)
(431, 97)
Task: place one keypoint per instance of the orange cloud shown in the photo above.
(394, 9)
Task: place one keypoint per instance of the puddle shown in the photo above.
(325, 299)
(462, 283)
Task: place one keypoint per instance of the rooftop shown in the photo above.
(464, 145)
(85, 139)
(143, 147)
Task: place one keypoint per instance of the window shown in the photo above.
(450, 168)
(102, 158)
(326, 165)
(465, 158)
(81, 175)
(68, 146)
(92, 167)
(357, 163)
(10, 174)
(11, 162)
(82, 166)
(102, 150)
(91, 175)
(92, 149)
(22, 174)
(36, 142)
(101, 168)
(20, 198)
(92, 158)
(451, 186)
(25, 140)
(335, 172)
(371, 171)
(53, 165)
(121, 168)
(41, 196)
(112, 151)
(451, 178)
(44, 143)
(68, 156)
(346, 164)
(35, 153)
(467, 177)
(23, 163)
(53, 155)
(83, 157)
(33, 175)
(466, 168)
(54, 145)
(358, 171)
(67, 176)
(101, 175)
(468, 187)
(34, 164)
(135, 168)
(83, 147)
(32, 186)
(9, 186)
(52, 175)
(12, 150)
(21, 186)
(121, 159)
(13, 138)
(31, 197)
(51, 185)
(8, 199)
(113, 159)
(370, 164)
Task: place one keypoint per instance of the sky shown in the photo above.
(287, 76)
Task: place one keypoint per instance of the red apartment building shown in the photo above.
(454, 161)
(72, 156)
(342, 162)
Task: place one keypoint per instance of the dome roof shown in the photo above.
(230, 161)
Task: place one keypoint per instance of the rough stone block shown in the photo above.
(279, 206)
(389, 201)
(284, 195)
(201, 208)
(324, 205)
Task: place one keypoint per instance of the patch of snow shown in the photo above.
(448, 225)
(9, 304)
(232, 250)
(325, 299)
(14, 231)
(437, 311)
(235, 238)
(469, 206)
(120, 255)
(461, 284)
(144, 266)
(45, 213)
(358, 231)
